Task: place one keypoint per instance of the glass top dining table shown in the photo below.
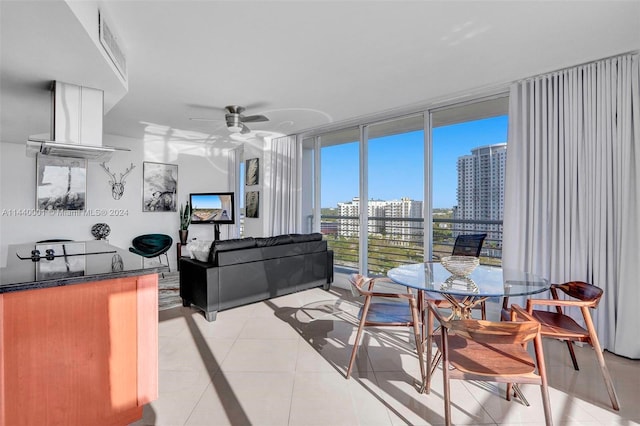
(465, 292)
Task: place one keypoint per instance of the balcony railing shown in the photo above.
(397, 241)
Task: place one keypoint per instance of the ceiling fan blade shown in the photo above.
(203, 119)
(206, 107)
(245, 129)
(256, 105)
(254, 118)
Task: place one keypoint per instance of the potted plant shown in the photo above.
(185, 221)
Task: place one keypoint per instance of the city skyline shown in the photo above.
(395, 161)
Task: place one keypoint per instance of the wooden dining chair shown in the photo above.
(491, 351)
(559, 325)
(384, 308)
(465, 245)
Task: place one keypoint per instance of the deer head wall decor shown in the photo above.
(117, 185)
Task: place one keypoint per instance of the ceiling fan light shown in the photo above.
(234, 124)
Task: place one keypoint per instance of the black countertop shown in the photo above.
(68, 263)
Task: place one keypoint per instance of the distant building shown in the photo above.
(481, 178)
(380, 211)
(329, 228)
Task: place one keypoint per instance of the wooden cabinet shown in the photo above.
(79, 354)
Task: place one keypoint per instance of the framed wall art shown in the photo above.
(252, 172)
(61, 183)
(252, 204)
(159, 187)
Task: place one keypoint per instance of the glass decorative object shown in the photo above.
(460, 266)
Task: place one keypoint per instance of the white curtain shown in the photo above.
(572, 193)
(283, 175)
(233, 167)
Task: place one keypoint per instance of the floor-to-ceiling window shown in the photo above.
(382, 181)
(339, 195)
(395, 187)
(469, 147)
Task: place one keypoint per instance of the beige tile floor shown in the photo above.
(282, 362)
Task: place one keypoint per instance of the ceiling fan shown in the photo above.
(235, 120)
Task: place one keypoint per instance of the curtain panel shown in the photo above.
(233, 167)
(283, 175)
(572, 199)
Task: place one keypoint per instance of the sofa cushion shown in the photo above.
(274, 241)
(227, 245)
(301, 238)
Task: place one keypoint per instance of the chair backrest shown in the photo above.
(581, 291)
(468, 245)
(357, 282)
(495, 332)
(152, 243)
(362, 285)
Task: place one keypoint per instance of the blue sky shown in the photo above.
(396, 163)
(206, 202)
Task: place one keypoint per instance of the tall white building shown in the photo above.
(384, 210)
(481, 178)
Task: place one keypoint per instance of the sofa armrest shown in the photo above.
(329, 267)
(200, 286)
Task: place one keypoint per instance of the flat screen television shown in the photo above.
(212, 207)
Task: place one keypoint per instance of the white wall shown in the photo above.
(201, 168)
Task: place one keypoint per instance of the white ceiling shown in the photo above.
(304, 64)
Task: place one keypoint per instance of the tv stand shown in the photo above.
(216, 231)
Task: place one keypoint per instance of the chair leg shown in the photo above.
(432, 359)
(417, 325)
(162, 273)
(445, 379)
(596, 346)
(363, 319)
(429, 345)
(505, 312)
(546, 403)
(607, 378)
(168, 264)
(573, 355)
(518, 393)
(514, 389)
(542, 371)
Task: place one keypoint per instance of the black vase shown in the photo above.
(184, 233)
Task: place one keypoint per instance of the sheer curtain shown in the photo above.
(234, 156)
(572, 199)
(283, 175)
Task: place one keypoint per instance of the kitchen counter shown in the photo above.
(78, 334)
(72, 263)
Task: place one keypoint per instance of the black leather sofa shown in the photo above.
(248, 270)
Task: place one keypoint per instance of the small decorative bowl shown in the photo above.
(460, 266)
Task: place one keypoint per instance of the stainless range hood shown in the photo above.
(77, 114)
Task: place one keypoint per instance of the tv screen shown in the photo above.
(212, 207)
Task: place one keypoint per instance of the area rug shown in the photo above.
(169, 290)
